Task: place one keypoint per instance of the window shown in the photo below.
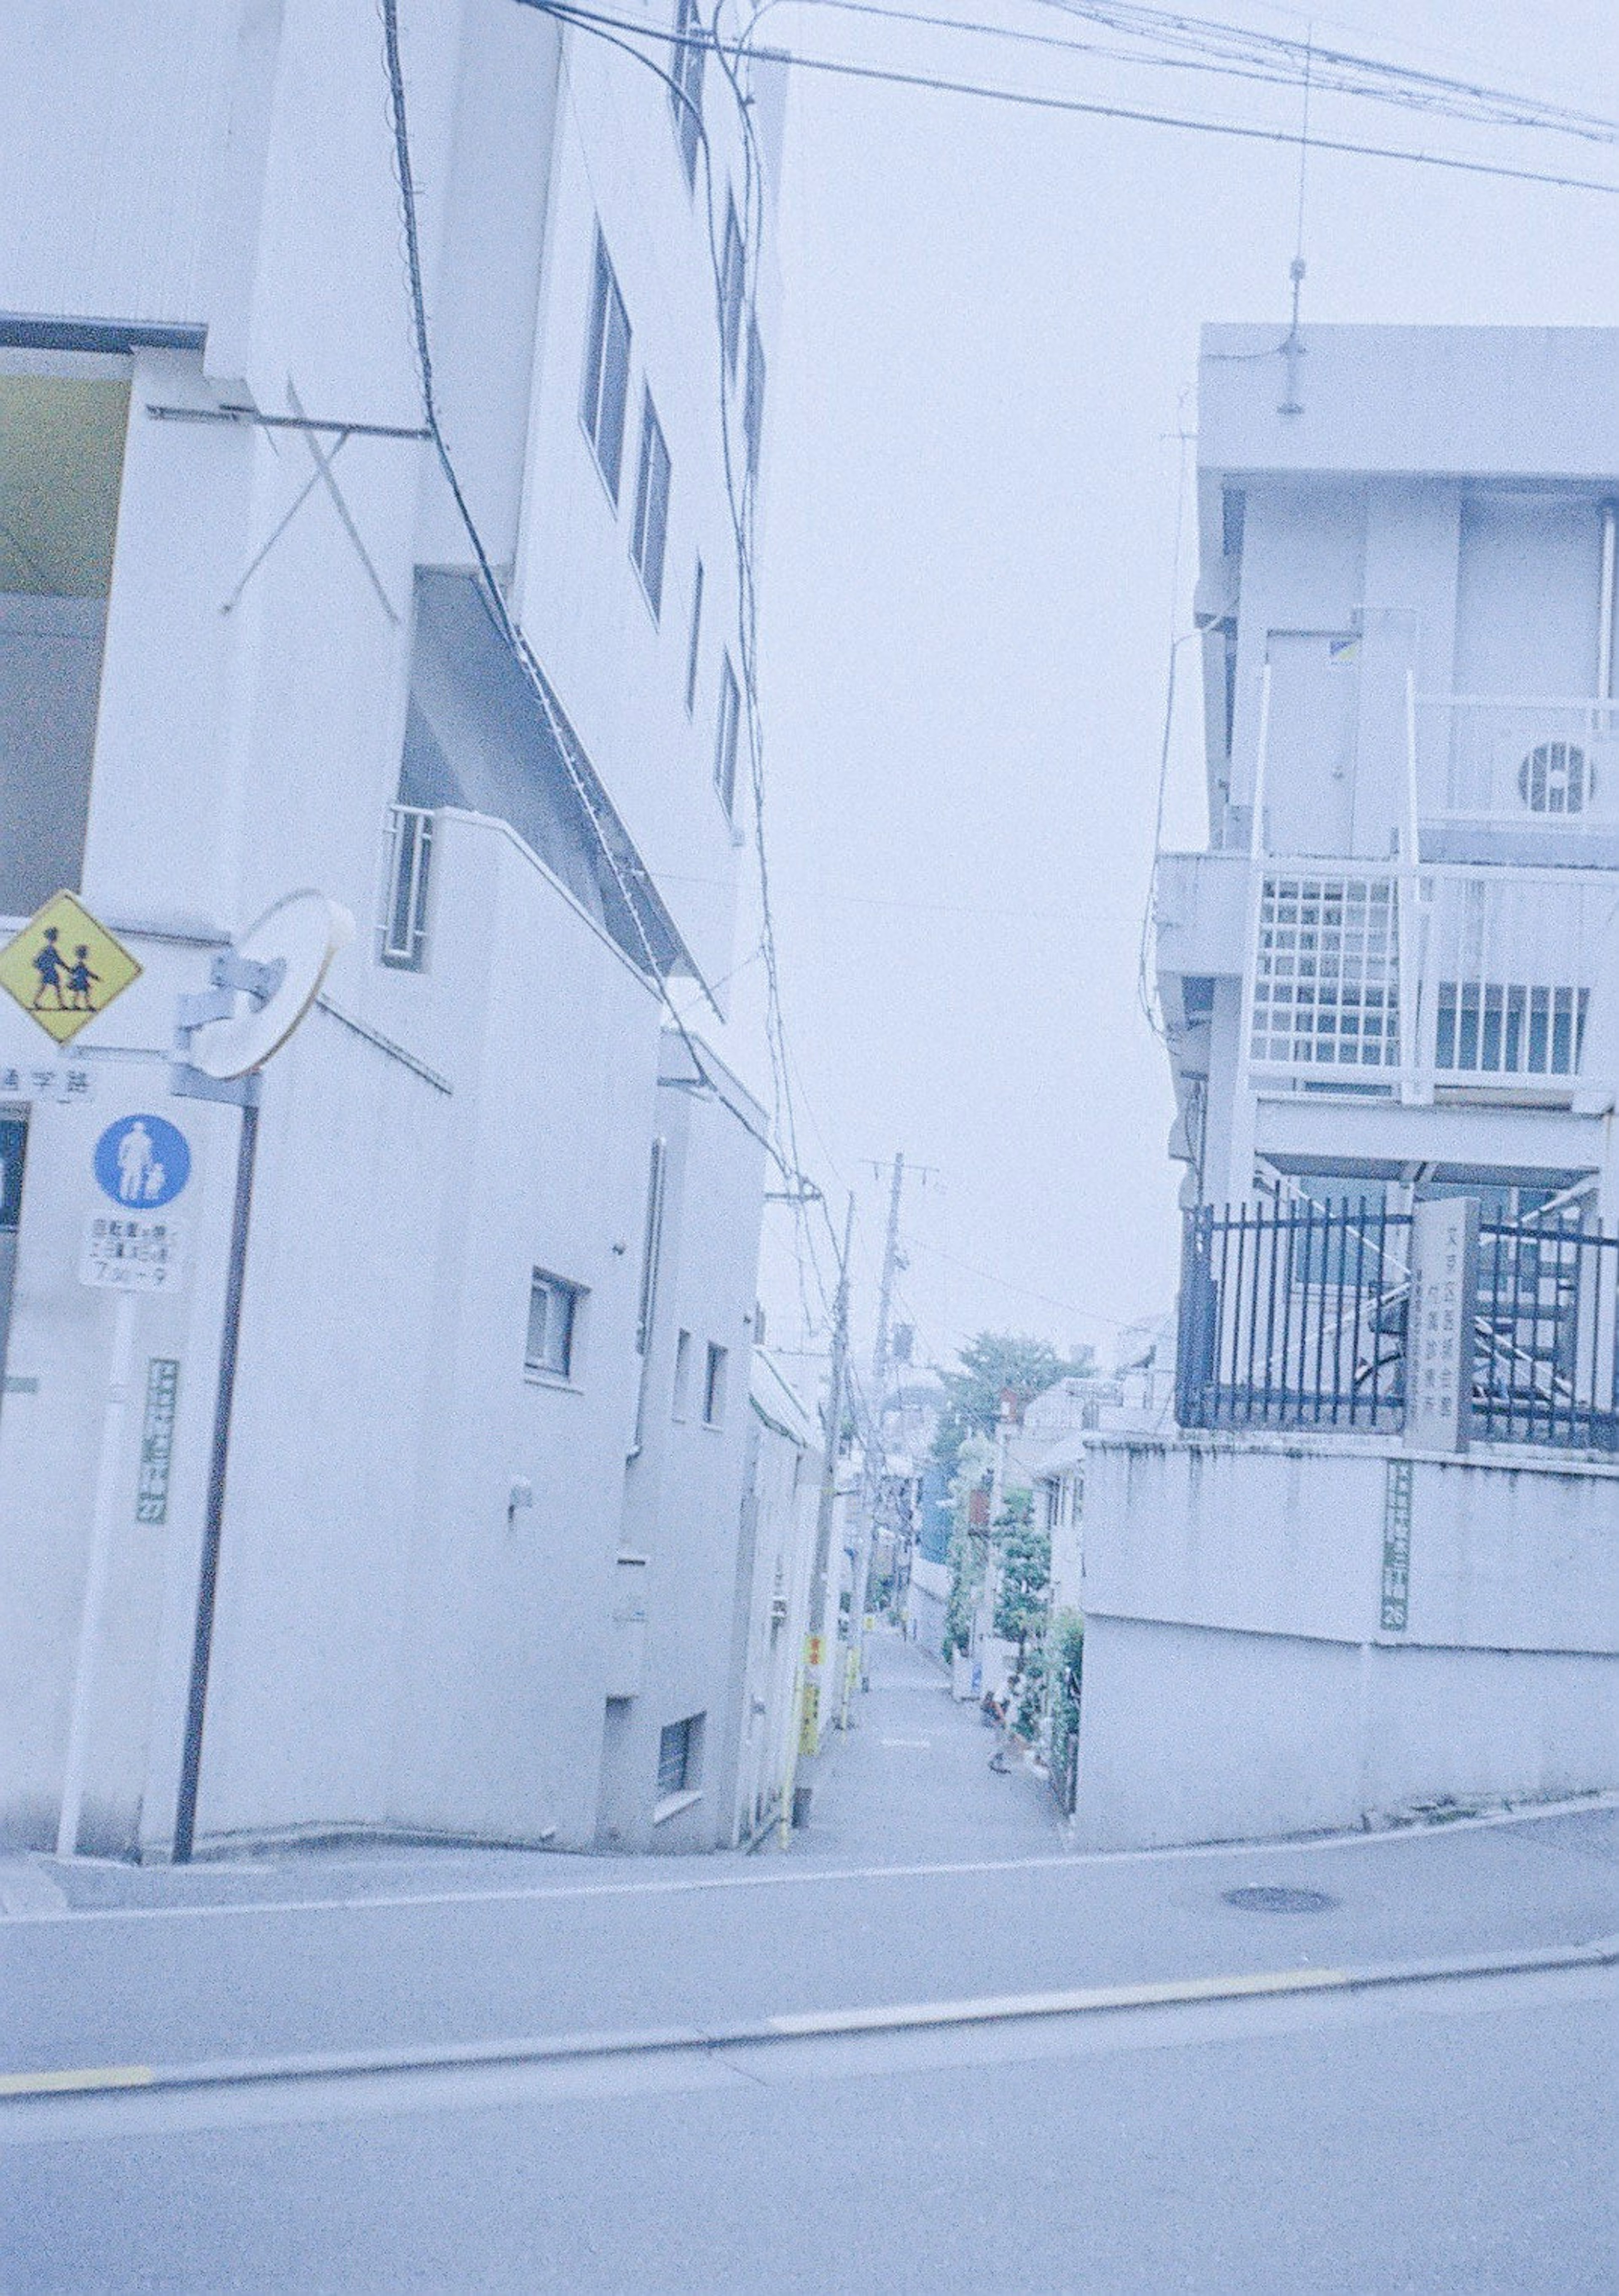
(753, 402)
(686, 93)
(651, 1249)
(607, 371)
(651, 527)
(733, 288)
(714, 1386)
(697, 631)
(554, 1316)
(724, 746)
(682, 1373)
(679, 1757)
(405, 907)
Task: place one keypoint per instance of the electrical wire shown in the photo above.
(937, 84)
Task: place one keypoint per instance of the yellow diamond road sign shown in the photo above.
(63, 968)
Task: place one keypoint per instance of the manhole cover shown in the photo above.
(1266, 1898)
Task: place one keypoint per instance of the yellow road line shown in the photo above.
(75, 2077)
(1059, 2004)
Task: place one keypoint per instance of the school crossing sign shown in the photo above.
(63, 968)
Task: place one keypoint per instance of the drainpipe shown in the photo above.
(1605, 611)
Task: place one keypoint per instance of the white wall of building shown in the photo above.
(207, 209)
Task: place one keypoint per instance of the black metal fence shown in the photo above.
(1295, 1316)
(1545, 1368)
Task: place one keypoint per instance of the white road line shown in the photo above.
(1074, 1861)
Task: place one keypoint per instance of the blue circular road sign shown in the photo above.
(143, 1161)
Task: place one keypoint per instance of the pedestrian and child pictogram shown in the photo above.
(63, 968)
(142, 1160)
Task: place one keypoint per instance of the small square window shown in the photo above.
(714, 1386)
(679, 1757)
(553, 1319)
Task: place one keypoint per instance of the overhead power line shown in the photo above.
(1026, 99)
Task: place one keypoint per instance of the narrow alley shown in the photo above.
(911, 1781)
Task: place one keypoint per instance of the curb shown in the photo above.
(573, 2048)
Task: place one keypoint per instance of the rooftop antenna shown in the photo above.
(1293, 348)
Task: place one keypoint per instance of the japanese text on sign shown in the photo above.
(1396, 1547)
(156, 1439)
(125, 1254)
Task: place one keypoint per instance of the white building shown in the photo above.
(773, 1594)
(1395, 968)
(246, 646)
(1377, 1565)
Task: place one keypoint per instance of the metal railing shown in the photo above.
(1293, 1315)
(1451, 974)
(1518, 764)
(1545, 1366)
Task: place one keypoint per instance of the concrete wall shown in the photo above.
(1238, 1680)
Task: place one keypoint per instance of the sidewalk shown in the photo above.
(910, 1782)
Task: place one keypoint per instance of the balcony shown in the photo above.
(1513, 781)
(1434, 982)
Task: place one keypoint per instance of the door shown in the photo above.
(1315, 683)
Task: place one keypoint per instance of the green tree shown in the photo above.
(1023, 1592)
(989, 1366)
(975, 1463)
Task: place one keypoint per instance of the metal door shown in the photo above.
(1315, 683)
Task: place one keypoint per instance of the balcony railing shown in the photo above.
(1536, 766)
(1410, 979)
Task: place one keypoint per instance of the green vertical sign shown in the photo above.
(1396, 1545)
(156, 1439)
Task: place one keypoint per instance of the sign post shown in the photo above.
(141, 1160)
(262, 988)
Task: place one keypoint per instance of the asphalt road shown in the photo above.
(1447, 2134)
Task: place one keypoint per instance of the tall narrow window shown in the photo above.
(753, 402)
(682, 1403)
(733, 288)
(651, 527)
(725, 736)
(607, 371)
(697, 634)
(686, 84)
(714, 1386)
(651, 1250)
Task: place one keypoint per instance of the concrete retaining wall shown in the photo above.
(1240, 1678)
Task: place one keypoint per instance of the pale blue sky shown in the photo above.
(989, 345)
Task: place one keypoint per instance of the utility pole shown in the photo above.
(817, 1638)
(875, 1464)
